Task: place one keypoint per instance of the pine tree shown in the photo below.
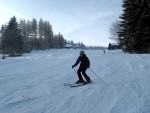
(48, 34)
(12, 41)
(23, 28)
(34, 28)
(34, 33)
(61, 40)
(128, 25)
(145, 25)
(3, 27)
(135, 26)
(41, 28)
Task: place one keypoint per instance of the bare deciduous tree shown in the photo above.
(114, 31)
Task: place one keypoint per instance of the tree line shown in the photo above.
(24, 36)
(132, 30)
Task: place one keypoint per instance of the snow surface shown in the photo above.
(34, 82)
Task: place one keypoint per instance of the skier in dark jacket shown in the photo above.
(85, 63)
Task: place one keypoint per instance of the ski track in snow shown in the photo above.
(34, 82)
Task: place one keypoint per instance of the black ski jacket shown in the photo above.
(85, 63)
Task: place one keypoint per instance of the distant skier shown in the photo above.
(104, 51)
(3, 57)
(85, 63)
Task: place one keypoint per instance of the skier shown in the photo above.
(85, 63)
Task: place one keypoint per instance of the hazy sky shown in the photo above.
(86, 21)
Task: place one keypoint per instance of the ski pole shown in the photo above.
(97, 76)
(74, 70)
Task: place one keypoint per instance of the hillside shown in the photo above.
(34, 82)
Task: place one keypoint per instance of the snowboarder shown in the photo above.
(85, 63)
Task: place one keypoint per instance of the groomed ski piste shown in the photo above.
(34, 83)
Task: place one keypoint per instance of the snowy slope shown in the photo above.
(34, 82)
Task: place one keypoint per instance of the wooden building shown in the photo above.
(113, 46)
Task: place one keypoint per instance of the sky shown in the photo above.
(86, 21)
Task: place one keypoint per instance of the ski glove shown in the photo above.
(87, 66)
(73, 66)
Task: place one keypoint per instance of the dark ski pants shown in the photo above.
(83, 70)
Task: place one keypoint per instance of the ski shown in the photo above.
(77, 85)
(70, 84)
